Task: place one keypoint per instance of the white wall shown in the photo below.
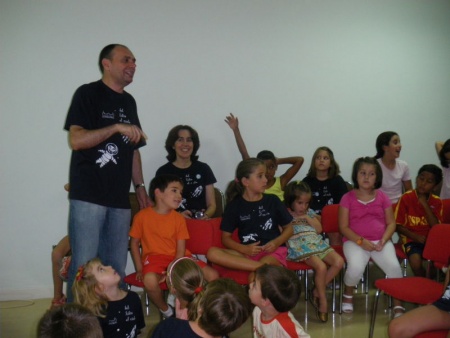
(299, 74)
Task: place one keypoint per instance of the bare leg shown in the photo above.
(421, 319)
(58, 253)
(151, 283)
(320, 273)
(232, 259)
(335, 262)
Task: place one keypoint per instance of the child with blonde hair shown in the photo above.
(96, 287)
(220, 308)
(307, 245)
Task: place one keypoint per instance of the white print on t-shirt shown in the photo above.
(267, 225)
(447, 293)
(108, 154)
(198, 191)
(249, 237)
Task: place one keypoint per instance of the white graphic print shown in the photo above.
(108, 154)
(197, 192)
(249, 237)
(267, 225)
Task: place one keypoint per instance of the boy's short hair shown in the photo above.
(69, 321)
(432, 169)
(367, 160)
(280, 285)
(266, 155)
(161, 182)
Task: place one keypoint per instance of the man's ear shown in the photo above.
(106, 63)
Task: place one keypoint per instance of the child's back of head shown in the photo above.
(69, 321)
(222, 307)
(279, 285)
(186, 278)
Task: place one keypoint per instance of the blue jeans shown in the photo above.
(97, 231)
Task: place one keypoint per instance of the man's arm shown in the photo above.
(81, 138)
(137, 177)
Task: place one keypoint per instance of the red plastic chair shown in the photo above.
(446, 211)
(201, 235)
(302, 270)
(433, 334)
(418, 290)
(330, 223)
(239, 276)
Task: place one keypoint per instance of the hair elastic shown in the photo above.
(79, 274)
(198, 290)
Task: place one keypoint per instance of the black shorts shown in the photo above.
(412, 248)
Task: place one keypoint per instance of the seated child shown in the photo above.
(219, 308)
(308, 245)
(257, 217)
(416, 212)
(185, 280)
(275, 185)
(275, 291)
(69, 321)
(162, 234)
(97, 288)
(443, 152)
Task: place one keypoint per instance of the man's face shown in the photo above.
(120, 69)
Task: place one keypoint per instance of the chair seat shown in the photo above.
(399, 251)
(131, 280)
(433, 334)
(406, 288)
(239, 276)
(298, 266)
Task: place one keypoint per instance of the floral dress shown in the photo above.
(306, 242)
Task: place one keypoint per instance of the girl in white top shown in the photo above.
(396, 177)
(443, 151)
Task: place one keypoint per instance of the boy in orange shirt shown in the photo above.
(416, 212)
(162, 234)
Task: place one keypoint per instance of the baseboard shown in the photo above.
(24, 294)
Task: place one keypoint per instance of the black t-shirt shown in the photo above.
(325, 192)
(102, 174)
(255, 221)
(173, 327)
(124, 318)
(195, 179)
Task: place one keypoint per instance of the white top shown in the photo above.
(393, 179)
(445, 190)
(284, 325)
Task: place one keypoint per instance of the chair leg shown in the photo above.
(374, 313)
(341, 290)
(366, 282)
(405, 265)
(333, 308)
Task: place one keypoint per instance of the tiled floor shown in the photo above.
(18, 319)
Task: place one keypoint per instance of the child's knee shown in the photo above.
(151, 281)
(210, 273)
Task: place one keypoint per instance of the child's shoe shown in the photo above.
(58, 302)
(64, 271)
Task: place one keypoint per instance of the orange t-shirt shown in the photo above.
(159, 233)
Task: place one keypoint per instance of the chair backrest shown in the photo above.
(330, 221)
(201, 234)
(134, 204)
(437, 246)
(446, 211)
(220, 202)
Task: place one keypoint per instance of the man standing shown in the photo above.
(105, 136)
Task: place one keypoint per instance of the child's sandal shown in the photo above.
(400, 312)
(347, 307)
(59, 302)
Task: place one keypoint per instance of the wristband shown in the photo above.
(140, 185)
(360, 241)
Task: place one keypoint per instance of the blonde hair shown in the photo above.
(85, 289)
(186, 277)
